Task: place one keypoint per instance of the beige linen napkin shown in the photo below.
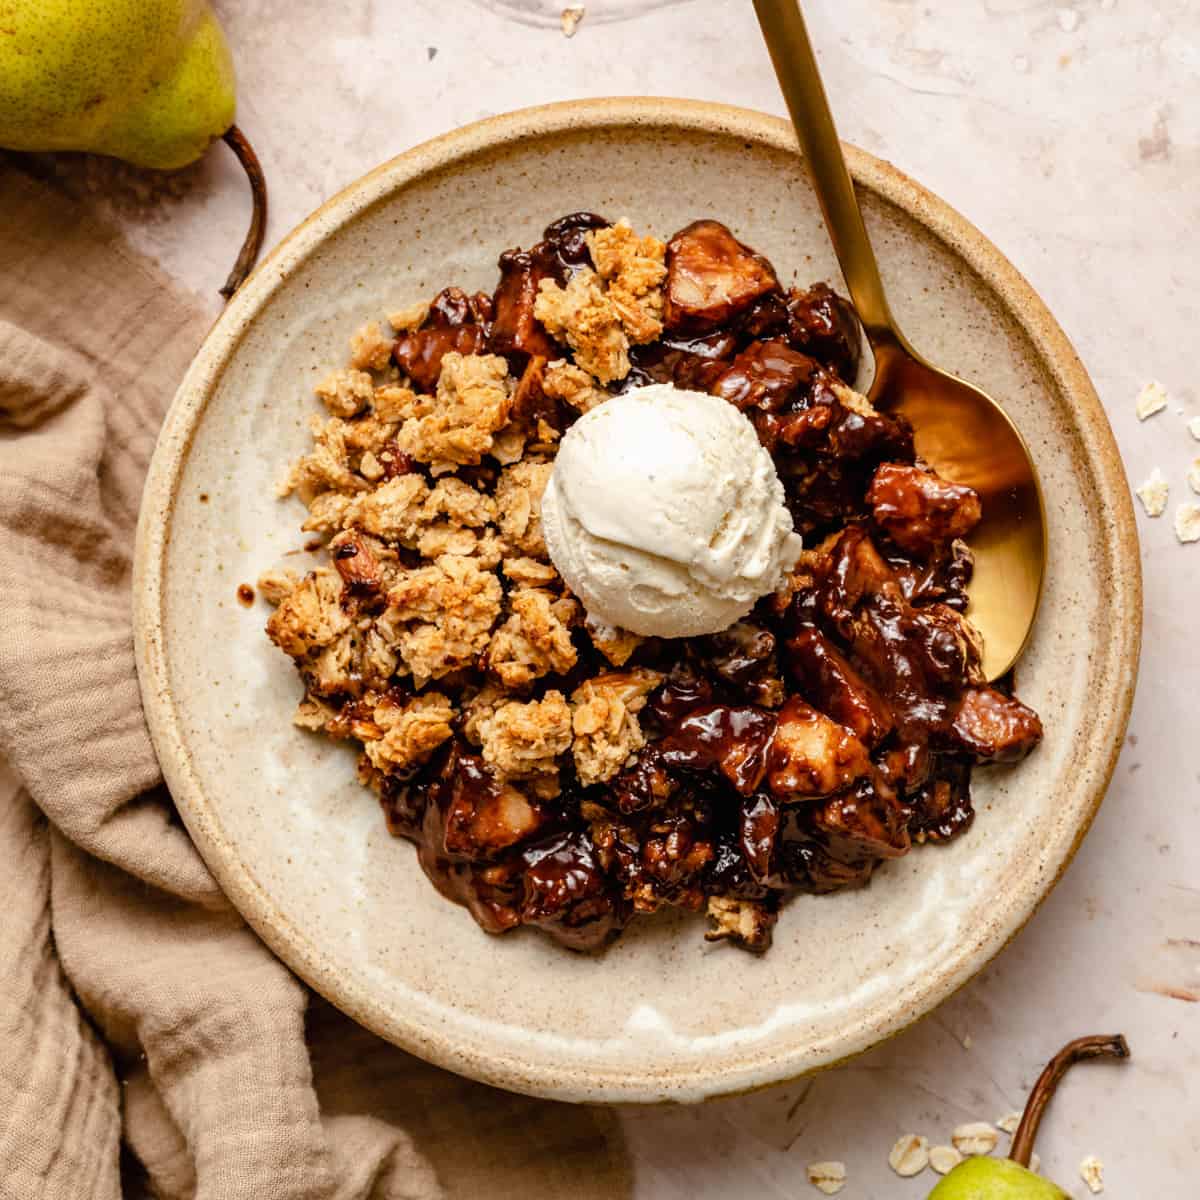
(149, 1041)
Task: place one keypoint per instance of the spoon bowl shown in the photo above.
(958, 428)
(969, 439)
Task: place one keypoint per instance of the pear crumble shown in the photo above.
(554, 771)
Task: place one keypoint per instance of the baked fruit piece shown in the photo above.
(559, 774)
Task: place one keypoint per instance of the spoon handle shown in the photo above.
(800, 80)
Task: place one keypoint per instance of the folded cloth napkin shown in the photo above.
(151, 1044)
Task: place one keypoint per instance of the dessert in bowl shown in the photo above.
(279, 812)
(568, 620)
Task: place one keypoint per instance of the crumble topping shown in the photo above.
(854, 401)
(474, 399)
(395, 510)
(607, 732)
(746, 922)
(370, 350)
(439, 616)
(617, 645)
(326, 467)
(310, 615)
(460, 504)
(535, 639)
(395, 403)
(524, 740)
(479, 707)
(583, 316)
(314, 715)
(571, 384)
(409, 732)
(274, 585)
(529, 572)
(519, 505)
(410, 317)
(361, 657)
(633, 268)
(346, 392)
(559, 773)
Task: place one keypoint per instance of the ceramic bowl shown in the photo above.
(302, 850)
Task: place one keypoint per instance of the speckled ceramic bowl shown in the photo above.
(302, 850)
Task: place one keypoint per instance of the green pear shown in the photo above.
(147, 81)
(995, 1179)
(1010, 1178)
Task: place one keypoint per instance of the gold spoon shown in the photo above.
(959, 429)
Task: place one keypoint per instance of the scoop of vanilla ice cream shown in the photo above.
(664, 513)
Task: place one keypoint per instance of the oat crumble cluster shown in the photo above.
(559, 773)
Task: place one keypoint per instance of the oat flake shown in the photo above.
(1091, 1171)
(571, 18)
(827, 1177)
(1194, 475)
(1151, 399)
(1153, 493)
(1187, 522)
(1194, 428)
(1009, 1122)
(909, 1156)
(943, 1159)
(974, 1138)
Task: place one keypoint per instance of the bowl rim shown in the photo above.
(1112, 510)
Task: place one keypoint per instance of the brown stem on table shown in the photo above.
(1101, 1046)
(236, 141)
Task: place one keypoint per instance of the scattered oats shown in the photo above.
(966, 1042)
(1153, 494)
(976, 1137)
(827, 1177)
(1151, 399)
(909, 1156)
(1068, 20)
(1194, 475)
(1091, 1171)
(943, 1159)
(1187, 522)
(1009, 1122)
(1194, 428)
(571, 18)
(1035, 1163)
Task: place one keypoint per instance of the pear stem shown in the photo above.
(236, 141)
(1100, 1046)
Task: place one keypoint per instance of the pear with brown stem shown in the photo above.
(1010, 1178)
(150, 82)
